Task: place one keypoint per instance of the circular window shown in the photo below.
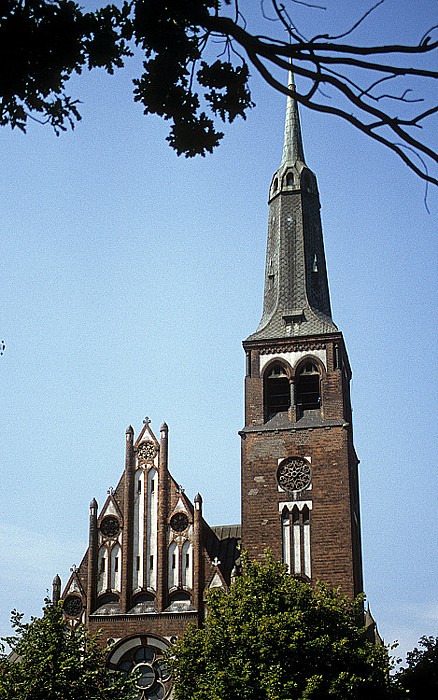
(72, 606)
(294, 474)
(147, 662)
(110, 526)
(179, 522)
(146, 451)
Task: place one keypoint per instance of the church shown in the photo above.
(151, 556)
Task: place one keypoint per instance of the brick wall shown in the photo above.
(335, 535)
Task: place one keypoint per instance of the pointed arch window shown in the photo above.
(103, 569)
(115, 580)
(308, 387)
(277, 390)
(285, 526)
(295, 525)
(173, 566)
(186, 565)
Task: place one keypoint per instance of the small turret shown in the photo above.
(198, 571)
(128, 510)
(56, 590)
(163, 513)
(92, 559)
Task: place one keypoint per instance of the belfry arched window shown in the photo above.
(277, 390)
(308, 387)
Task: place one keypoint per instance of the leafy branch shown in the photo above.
(196, 69)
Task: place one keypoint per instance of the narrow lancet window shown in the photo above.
(306, 541)
(297, 538)
(285, 526)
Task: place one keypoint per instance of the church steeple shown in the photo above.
(296, 298)
(300, 492)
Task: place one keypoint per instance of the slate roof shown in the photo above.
(223, 542)
(296, 296)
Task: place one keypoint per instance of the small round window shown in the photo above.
(146, 451)
(110, 526)
(72, 606)
(179, 522)
(294, 474)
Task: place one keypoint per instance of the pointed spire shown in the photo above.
(293, 143)
(296, 298)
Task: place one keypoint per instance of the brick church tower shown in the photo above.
(300, 492)
(151, 556)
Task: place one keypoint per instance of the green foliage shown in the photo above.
(419, 679)
(42, 42)
(273, 637)
(196, 57)
(170, 35)
(52, 661)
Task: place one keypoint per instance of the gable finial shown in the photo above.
(146, 421)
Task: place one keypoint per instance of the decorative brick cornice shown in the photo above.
(276, 345)
(291, 347)
(323, 425)
(123, 617)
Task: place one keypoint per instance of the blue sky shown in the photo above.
(129, 279)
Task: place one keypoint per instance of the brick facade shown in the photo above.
(325, 438)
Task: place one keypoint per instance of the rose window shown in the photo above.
(146, 451)
(179, 522)
(293, 474)
(72, 606)
(153, 678)
(110, 526)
